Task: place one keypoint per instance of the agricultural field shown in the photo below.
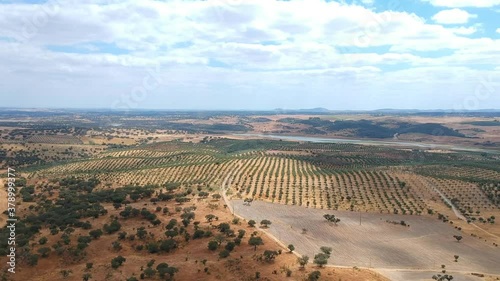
(209, 162)
(367, 240)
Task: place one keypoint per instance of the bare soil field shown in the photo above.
(399, 252)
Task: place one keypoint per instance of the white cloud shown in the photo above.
(464, 3)
(453, 16)
(498, 30)
(465, 30)
(270, 46)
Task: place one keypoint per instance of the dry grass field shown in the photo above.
(188, 257)
(400, 252)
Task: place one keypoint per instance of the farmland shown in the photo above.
(424, 246)
(107, 164)
(325, 176)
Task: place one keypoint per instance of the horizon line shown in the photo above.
(319, 109)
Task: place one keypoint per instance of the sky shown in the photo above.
(250, 54)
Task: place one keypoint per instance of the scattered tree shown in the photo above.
(96, 233)
(117, 262)
(303, 261)
(255, 241)
(213, 245)
(269, 255)
(331, 218)
(265, 223)
(149, 272)
(326, 250)
(321, 259)
(314, 276)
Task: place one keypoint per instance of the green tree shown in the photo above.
(32, 259)
(326, 250)
(210, 217)
(321, 259)
(331, 218)
(113, 227)
(171, 233)
(224, 254)
(141, 232)
(42, 240)
(255, 241)
(265, 223)
(303, 261)
(168, 245)
(149, 272)
(116, 246)
(96, 233)
(213, 245)
(44, 252)
(314, 276)
(117, 262)
(224, 227)
(269, 255)
(230, 246)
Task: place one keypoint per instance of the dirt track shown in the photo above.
(400, 253)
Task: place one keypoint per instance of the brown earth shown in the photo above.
(395, 250)
(241, 265)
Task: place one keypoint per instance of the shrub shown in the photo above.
(313, 276)
(303, 261)
(96, 233)
(117, 262)
(213, 245)
(230, 246)
(224, 254)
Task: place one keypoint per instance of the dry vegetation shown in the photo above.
(190, 255)
(439, 193)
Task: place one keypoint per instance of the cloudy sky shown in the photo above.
(250, 54)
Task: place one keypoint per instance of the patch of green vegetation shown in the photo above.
(484, 123)
(370, 129)
(232, 146)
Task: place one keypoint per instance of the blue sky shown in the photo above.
(251, 54)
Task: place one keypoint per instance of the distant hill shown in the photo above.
(317, 110)
(370, 129)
